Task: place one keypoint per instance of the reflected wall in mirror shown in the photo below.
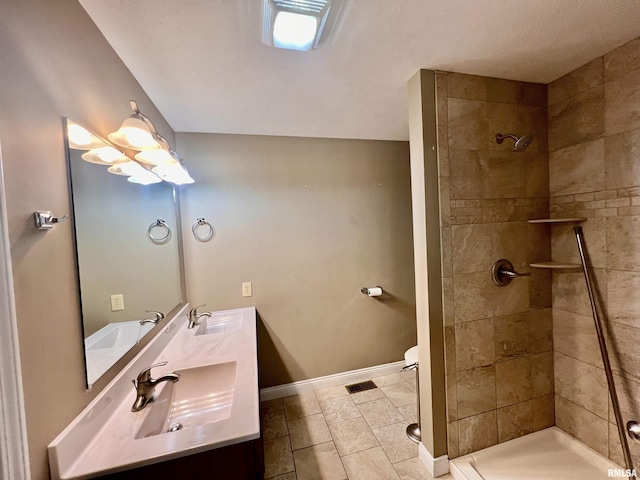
(113, 210)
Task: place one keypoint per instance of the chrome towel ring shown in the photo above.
(159, 237)
(203, 230)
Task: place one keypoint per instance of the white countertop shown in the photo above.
(102, 438)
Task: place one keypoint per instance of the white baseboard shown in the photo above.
(435, 466)
(344, 378)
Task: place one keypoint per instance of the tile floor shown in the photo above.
(332, 435)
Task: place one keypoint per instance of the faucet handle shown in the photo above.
(194, 310)
(145, 374)
(158, 316)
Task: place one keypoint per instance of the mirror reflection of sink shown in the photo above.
(202, 395)
(220, 323)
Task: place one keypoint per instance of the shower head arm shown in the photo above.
(500, 137)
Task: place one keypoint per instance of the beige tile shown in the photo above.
(471, 87)
(541, 329)
(271, 405)
(582, 424)
(453, 440)
(331, 392)
(303, 405)
(448, 304)
(543, 410)
(509, 91)
(538, 242)
(441, 99)
(628, 392)
(400, 393)
(468, 124)
(505, 174)
(570, 292)
(388, 379)
(367, 396)
(623, 243)
(468, 176)
(621, 159)
(308, 431)
(369, 465)
(412, 469)
(451, 382)
(379, 413)
(473, 295)
(445, 201)
(352, 436)
(278, 458)
(515, 421)
(474, 344)
(564, 246)
(514, 298)
(622, 60)
(622, 103)
(574, 335)
(582, 384)
(577, 119)
(320, 462)
(517, 120)
(578, 81)
(625, 356)
(471, 248)
(449, 351)
(443, 151)
(339, 409)
(477, 432)
(513, 381)
(542, 374)
(540, 296)
(537, 171)
(615, 449)
(410, 375)
(395, 443)
(286, 476)
(512, 336)
(509, 240)
(274, 425)
(409, 413)
(476, 391)
(577, 168)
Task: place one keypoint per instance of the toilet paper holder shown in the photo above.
(372, 291)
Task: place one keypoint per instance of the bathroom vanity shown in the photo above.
(205, 425)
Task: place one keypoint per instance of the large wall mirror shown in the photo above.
(128, 264)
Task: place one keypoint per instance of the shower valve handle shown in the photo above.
(503, 273)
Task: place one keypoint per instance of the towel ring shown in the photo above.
(160, 223)
(210, 232)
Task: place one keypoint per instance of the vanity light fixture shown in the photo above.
(174, 173)
(161, 156)
(105, 156)
(294, 24)
(80, 138)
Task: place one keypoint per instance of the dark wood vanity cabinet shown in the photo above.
(243, 461)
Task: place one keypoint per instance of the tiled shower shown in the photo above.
(525, 357)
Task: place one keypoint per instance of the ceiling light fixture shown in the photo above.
(136, 132)
(294, 24)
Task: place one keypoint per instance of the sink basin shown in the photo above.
(220, 323)
(202, 395)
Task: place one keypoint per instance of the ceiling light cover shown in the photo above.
(294, 24)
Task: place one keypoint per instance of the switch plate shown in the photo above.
(117, 302)
(247, 290)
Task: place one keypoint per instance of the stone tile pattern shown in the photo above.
(332, 435)
(594, 172)
(498, 340)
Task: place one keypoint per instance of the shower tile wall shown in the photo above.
(499, 359)
(594, 172)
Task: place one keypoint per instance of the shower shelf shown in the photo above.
(559, 220)
(555, 265)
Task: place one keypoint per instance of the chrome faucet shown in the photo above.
(145, 385)
(194, 316)
(158, 316)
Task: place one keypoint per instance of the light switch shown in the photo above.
(246, 289)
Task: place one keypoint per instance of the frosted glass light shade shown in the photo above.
(174, 173)
(80, 138)
(127, 169)
(135, 134)
(105, 156)
(159, 156)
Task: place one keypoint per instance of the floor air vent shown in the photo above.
(360, 387)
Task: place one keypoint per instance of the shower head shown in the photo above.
(521, 142)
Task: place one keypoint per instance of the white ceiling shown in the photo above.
(204, 66)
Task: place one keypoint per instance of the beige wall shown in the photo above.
(594, 140)
(499, 363)
(53, 62)
(308, 222)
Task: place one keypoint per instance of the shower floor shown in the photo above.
(549, 454)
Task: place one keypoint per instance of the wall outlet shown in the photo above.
(117, 302)
(246, 289)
